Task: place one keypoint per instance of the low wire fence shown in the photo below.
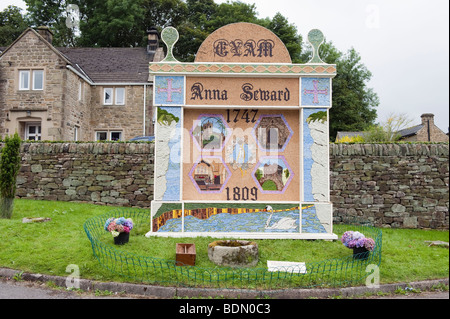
(336, 272)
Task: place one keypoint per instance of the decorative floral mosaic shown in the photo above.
(316, 92)
(242, 68)
(169, 90)
(168, 146)
(240, 220)
(209, 174)
(272, 174)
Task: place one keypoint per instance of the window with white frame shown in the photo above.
(116, 136)
(80, 90)
(108, 135)
(120, 96)
(107, 96)
(33, 131)
(114, 96)
(31, 79)
(38, 80)
(24, 80)
(101, 136)
(76, 132)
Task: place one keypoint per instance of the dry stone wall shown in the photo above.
(390, 185)
(101, 173)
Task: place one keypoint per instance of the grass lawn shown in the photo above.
(49, 247)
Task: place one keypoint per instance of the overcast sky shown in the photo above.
(404, 43)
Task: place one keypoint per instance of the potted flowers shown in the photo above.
(119, 229)
(361, 245)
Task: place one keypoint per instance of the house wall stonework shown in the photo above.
(46, 106)
(76, 112)
(64, 108)
(128, 118)
(389, 185)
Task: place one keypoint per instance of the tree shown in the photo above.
(163, 13)
(287, 33)
(9, 168)
(354, 104)
(12, 24)
(53, 14)
(112, 23)
(119, 23)
(388, 130)
(203, 18)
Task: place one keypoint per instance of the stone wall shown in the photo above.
(101, 173)
(391, 185)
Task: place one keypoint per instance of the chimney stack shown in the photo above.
(45, 33)
(427, 117)
(428, 121)
(153, 40)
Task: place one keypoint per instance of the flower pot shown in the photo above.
(122, 238)
(360, 253)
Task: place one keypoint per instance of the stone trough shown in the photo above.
(233, 253)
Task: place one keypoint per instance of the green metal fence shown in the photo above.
(335, 272)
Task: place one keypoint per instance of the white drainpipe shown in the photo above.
(145, 99)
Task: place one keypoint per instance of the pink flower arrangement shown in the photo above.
(355, 239)
(118, 225)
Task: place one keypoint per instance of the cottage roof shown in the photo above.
(108, 65)
(410, 131)
(102, 65)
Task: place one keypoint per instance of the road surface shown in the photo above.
(11, 289)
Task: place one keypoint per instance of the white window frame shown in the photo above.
(114, 98)
(80, 90)
(111, 94)
(34, 72)
(76, 133)
(37, 134)
(21, 81)
(99, 132)
(108, 135)
(111, 133)
(116, 90)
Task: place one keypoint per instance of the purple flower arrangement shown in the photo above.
(355, 239)
(118, 225)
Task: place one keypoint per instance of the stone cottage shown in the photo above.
(427, 131)
(75, 94)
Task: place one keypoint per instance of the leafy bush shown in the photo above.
(9, 168)
(351, 139)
